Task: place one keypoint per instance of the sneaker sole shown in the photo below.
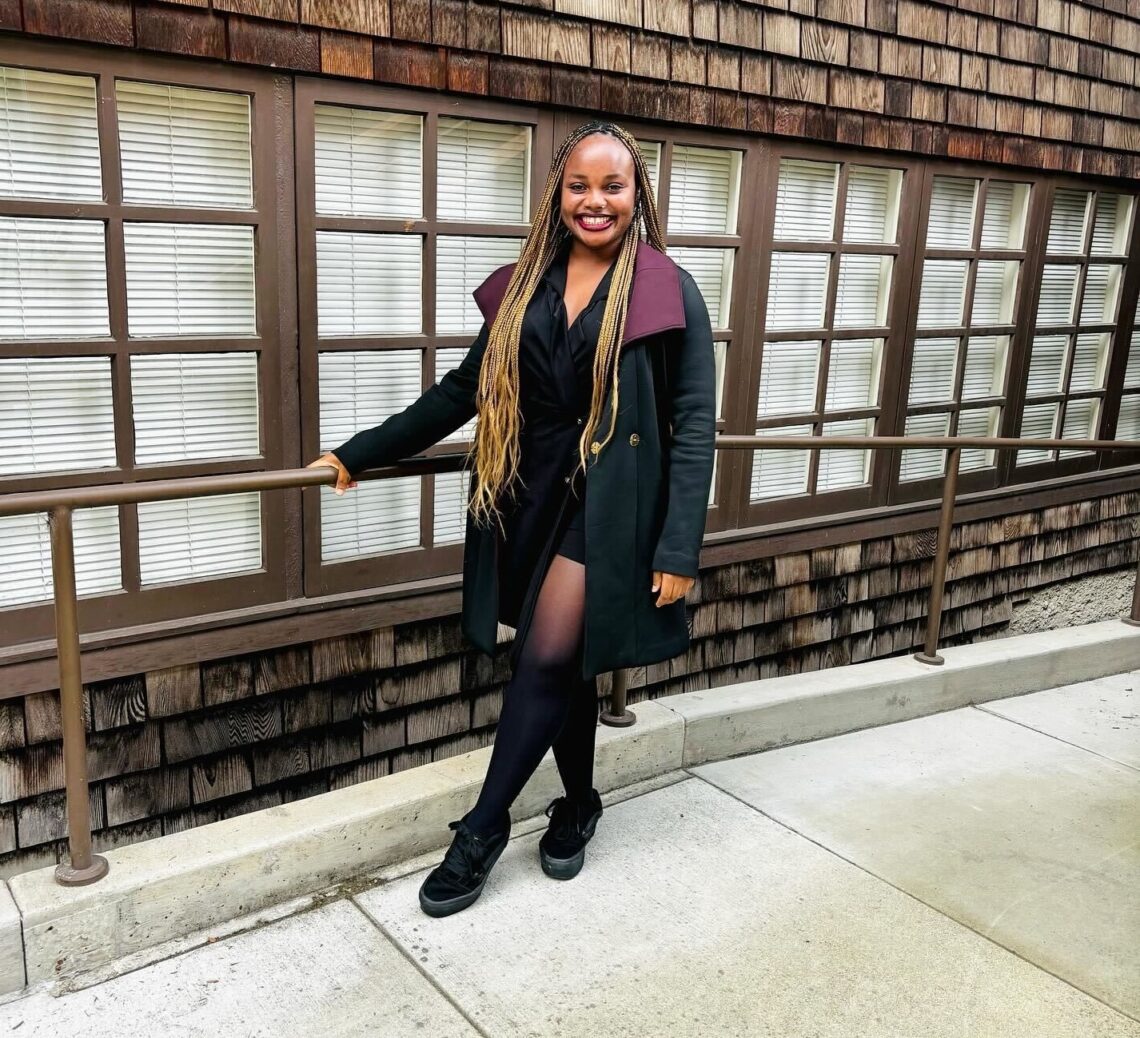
(437, 909)
(568, 868)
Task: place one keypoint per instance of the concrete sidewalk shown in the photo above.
(971, 873)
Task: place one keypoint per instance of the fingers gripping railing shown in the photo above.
(87, 867)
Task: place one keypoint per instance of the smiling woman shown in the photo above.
(593, 382)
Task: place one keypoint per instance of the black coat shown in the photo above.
(646, 492)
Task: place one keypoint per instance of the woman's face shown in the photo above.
(598, 192)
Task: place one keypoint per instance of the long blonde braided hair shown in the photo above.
(495, 449)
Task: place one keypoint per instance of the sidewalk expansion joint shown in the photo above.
(1057, 738)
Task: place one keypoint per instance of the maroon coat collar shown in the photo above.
(655, 301)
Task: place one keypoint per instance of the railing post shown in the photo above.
(1134, 618)
(941, 560)
(84, 866)
(618, 716)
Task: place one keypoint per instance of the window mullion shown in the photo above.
(1125, 326)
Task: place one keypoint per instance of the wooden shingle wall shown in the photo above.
(181, 747)
(1051, 84)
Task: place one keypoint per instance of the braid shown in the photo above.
(495, 448)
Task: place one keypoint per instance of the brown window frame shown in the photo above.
(134, 604)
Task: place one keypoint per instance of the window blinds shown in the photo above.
(703, 189)
(853, 374)
(995, 286)
(194, 405)
(797, 290)
(943, 293)
(1038, 421)
(984, 375)
(1110, 227)
(49, 136)
(872, 210)
(950, 224)
(1003, 226)
(1058, 291)
(927, 463)
(369, 284)
(368, 163)
(863, 291)
(1128, 421)
(711, 269)
(378, 516)
(1046, 364)
(1090, 357)
(1067, 222)
(184, 146)
(805, 200)
(56, 414)
(483, 170)
(1102, 288)
(450, 521)
(788, 377)
(1080, 423)
(932, 370)
(978, 422)
(25, 576)
(780, 473)
(651, 153)
(43, 263)
(189, 279)
(845, 468)
(462, 264)
(199, 538)
(445, 361)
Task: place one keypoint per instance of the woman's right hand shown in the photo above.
(343, 480)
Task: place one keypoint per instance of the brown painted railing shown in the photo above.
(87, 867)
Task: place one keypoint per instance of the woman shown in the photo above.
(593, 381)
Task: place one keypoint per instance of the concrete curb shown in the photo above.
(172, 886)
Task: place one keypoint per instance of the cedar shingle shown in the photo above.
(649, 56)
(11, 724)
(825, 43)
(284, 668)
(134, 797)
(700, 105)
(705, 20)
(173, 690)
(876, 132)
(383, 734)
(975, 72)
(225, 681)
(856, 91)
(483, 27)
(988, 38)
(449, 23)
(468, 73)
(200, 34)
(865, 51)
(10, 18)
(611, 48)
(1064, 54)
(361, 16)
(520, 80)
(799, 82)
(782, 34)
(282, 46)
(97, 21)
(756, 74)
(627, 12)
(724, 69)
(123, 751)
(962, 30)
(274, 10)
(411, 20)
(438, 720)
(849, 12)
(45, 818)
(688, 62)
(221, 777)
(940, 65)
(922, 21)
(669, 16)
(741, 25)
(576, 88)
(882, 15)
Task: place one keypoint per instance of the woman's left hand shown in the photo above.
(671, 586)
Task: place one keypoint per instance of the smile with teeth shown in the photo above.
(594, 223)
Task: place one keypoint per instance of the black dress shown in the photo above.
(555, 386)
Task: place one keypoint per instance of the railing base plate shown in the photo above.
(934, 661)
(1131, 623)
(69, 876)
(618, 720)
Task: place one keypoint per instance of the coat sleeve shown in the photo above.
(439, 411)
(689, 453)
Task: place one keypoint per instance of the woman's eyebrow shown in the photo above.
(585, 176)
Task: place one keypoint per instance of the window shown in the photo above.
(156, 365)
(1081, 280)
(830, 290)
(971, 275)
(412, 208)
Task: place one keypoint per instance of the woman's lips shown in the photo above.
(595, 224)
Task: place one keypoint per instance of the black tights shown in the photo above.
(545, 703)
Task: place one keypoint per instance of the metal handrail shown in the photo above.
(87, 867)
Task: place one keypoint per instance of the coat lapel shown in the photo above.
(655, 301)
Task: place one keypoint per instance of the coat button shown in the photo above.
(581, 420)
(595, 447)
(634, 439)
(565, 479)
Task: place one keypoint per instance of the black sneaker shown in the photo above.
(458, 880)
(562, 849)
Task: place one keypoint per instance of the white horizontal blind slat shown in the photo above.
(1067, 222)
(462, 264)
(184, 146)
(56, 414)
(447, 360)
(853, 374)
(805, 200)
(703, 190)
(872, 209)
(1090, 361)
(1128, 420)
(943, 293)
(1058, 294)
(720, 362)
(26, 577)
(788, 377)
(651, 153)
(980, 422)
(194, 405)
(863, 291)
(711, 269)
(483, 171)
(780, 473)
(189, 279)
(1102, 289)
(368, 163)
(1110, 225)
(53, 279)
(928, 462)
(369, 284)
(1132, 371)
(995, 286)
(449, 524)
(199, 538)
(984, 375)
(932, 370)
(1080, 423)
(951, 221)
(797, 290)
(361, 389)
(378, 516)
(1003, 226)
(1046, 364)
(839, 469)
(49, 136)
(1038, 422)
